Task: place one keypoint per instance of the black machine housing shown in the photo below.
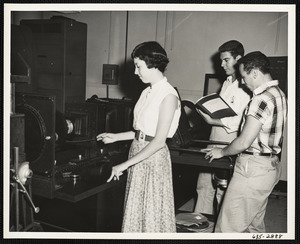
(61, 146)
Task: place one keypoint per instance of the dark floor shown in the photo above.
(276, 212)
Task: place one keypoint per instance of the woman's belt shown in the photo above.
(259, 154)
(140, 136)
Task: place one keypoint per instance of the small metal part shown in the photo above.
(47, 138)
(75, 178)
(66, 174)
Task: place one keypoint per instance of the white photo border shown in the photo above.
(290, 8)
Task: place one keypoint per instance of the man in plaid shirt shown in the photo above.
(257, 168)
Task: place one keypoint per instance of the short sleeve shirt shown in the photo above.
(238, 99)
(269, 106)
(146, 111)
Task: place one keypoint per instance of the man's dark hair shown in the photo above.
(255, 60)
(234, 47)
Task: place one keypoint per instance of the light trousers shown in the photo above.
(246, 198)
(207, 192)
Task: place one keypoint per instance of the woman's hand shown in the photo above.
(107, 137)
(117, 171)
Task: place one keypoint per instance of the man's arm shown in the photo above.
(210, 120)
(241, 143)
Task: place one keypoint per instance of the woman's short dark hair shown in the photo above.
(153, 54)
(255, 60)
(234, 47)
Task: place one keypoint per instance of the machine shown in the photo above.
(67, 162)
(60, 167)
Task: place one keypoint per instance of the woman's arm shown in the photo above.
(166, 114)
(113, 137)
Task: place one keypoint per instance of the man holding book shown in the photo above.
(223, 129)
(257, 168)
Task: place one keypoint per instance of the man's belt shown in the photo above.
(140, 136)
(259, 154)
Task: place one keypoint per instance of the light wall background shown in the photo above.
(190, 39)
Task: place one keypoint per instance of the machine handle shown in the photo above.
(36, 209)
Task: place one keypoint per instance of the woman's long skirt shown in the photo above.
(149, 198)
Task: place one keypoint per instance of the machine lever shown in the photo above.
(36, 209)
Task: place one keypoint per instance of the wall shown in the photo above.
(190, 39)
(197, 36)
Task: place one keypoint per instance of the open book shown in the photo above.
(215, 106)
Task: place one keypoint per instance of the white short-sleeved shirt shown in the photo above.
(146, 110)
(238, 99)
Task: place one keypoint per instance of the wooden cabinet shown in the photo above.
(59, 54)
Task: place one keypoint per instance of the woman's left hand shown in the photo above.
(117, 171)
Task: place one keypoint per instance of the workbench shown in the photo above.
(187, 163)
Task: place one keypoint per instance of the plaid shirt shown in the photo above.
(269, 106)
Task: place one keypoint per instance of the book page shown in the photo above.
(215, 105)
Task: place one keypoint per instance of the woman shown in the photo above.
(149, 200)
